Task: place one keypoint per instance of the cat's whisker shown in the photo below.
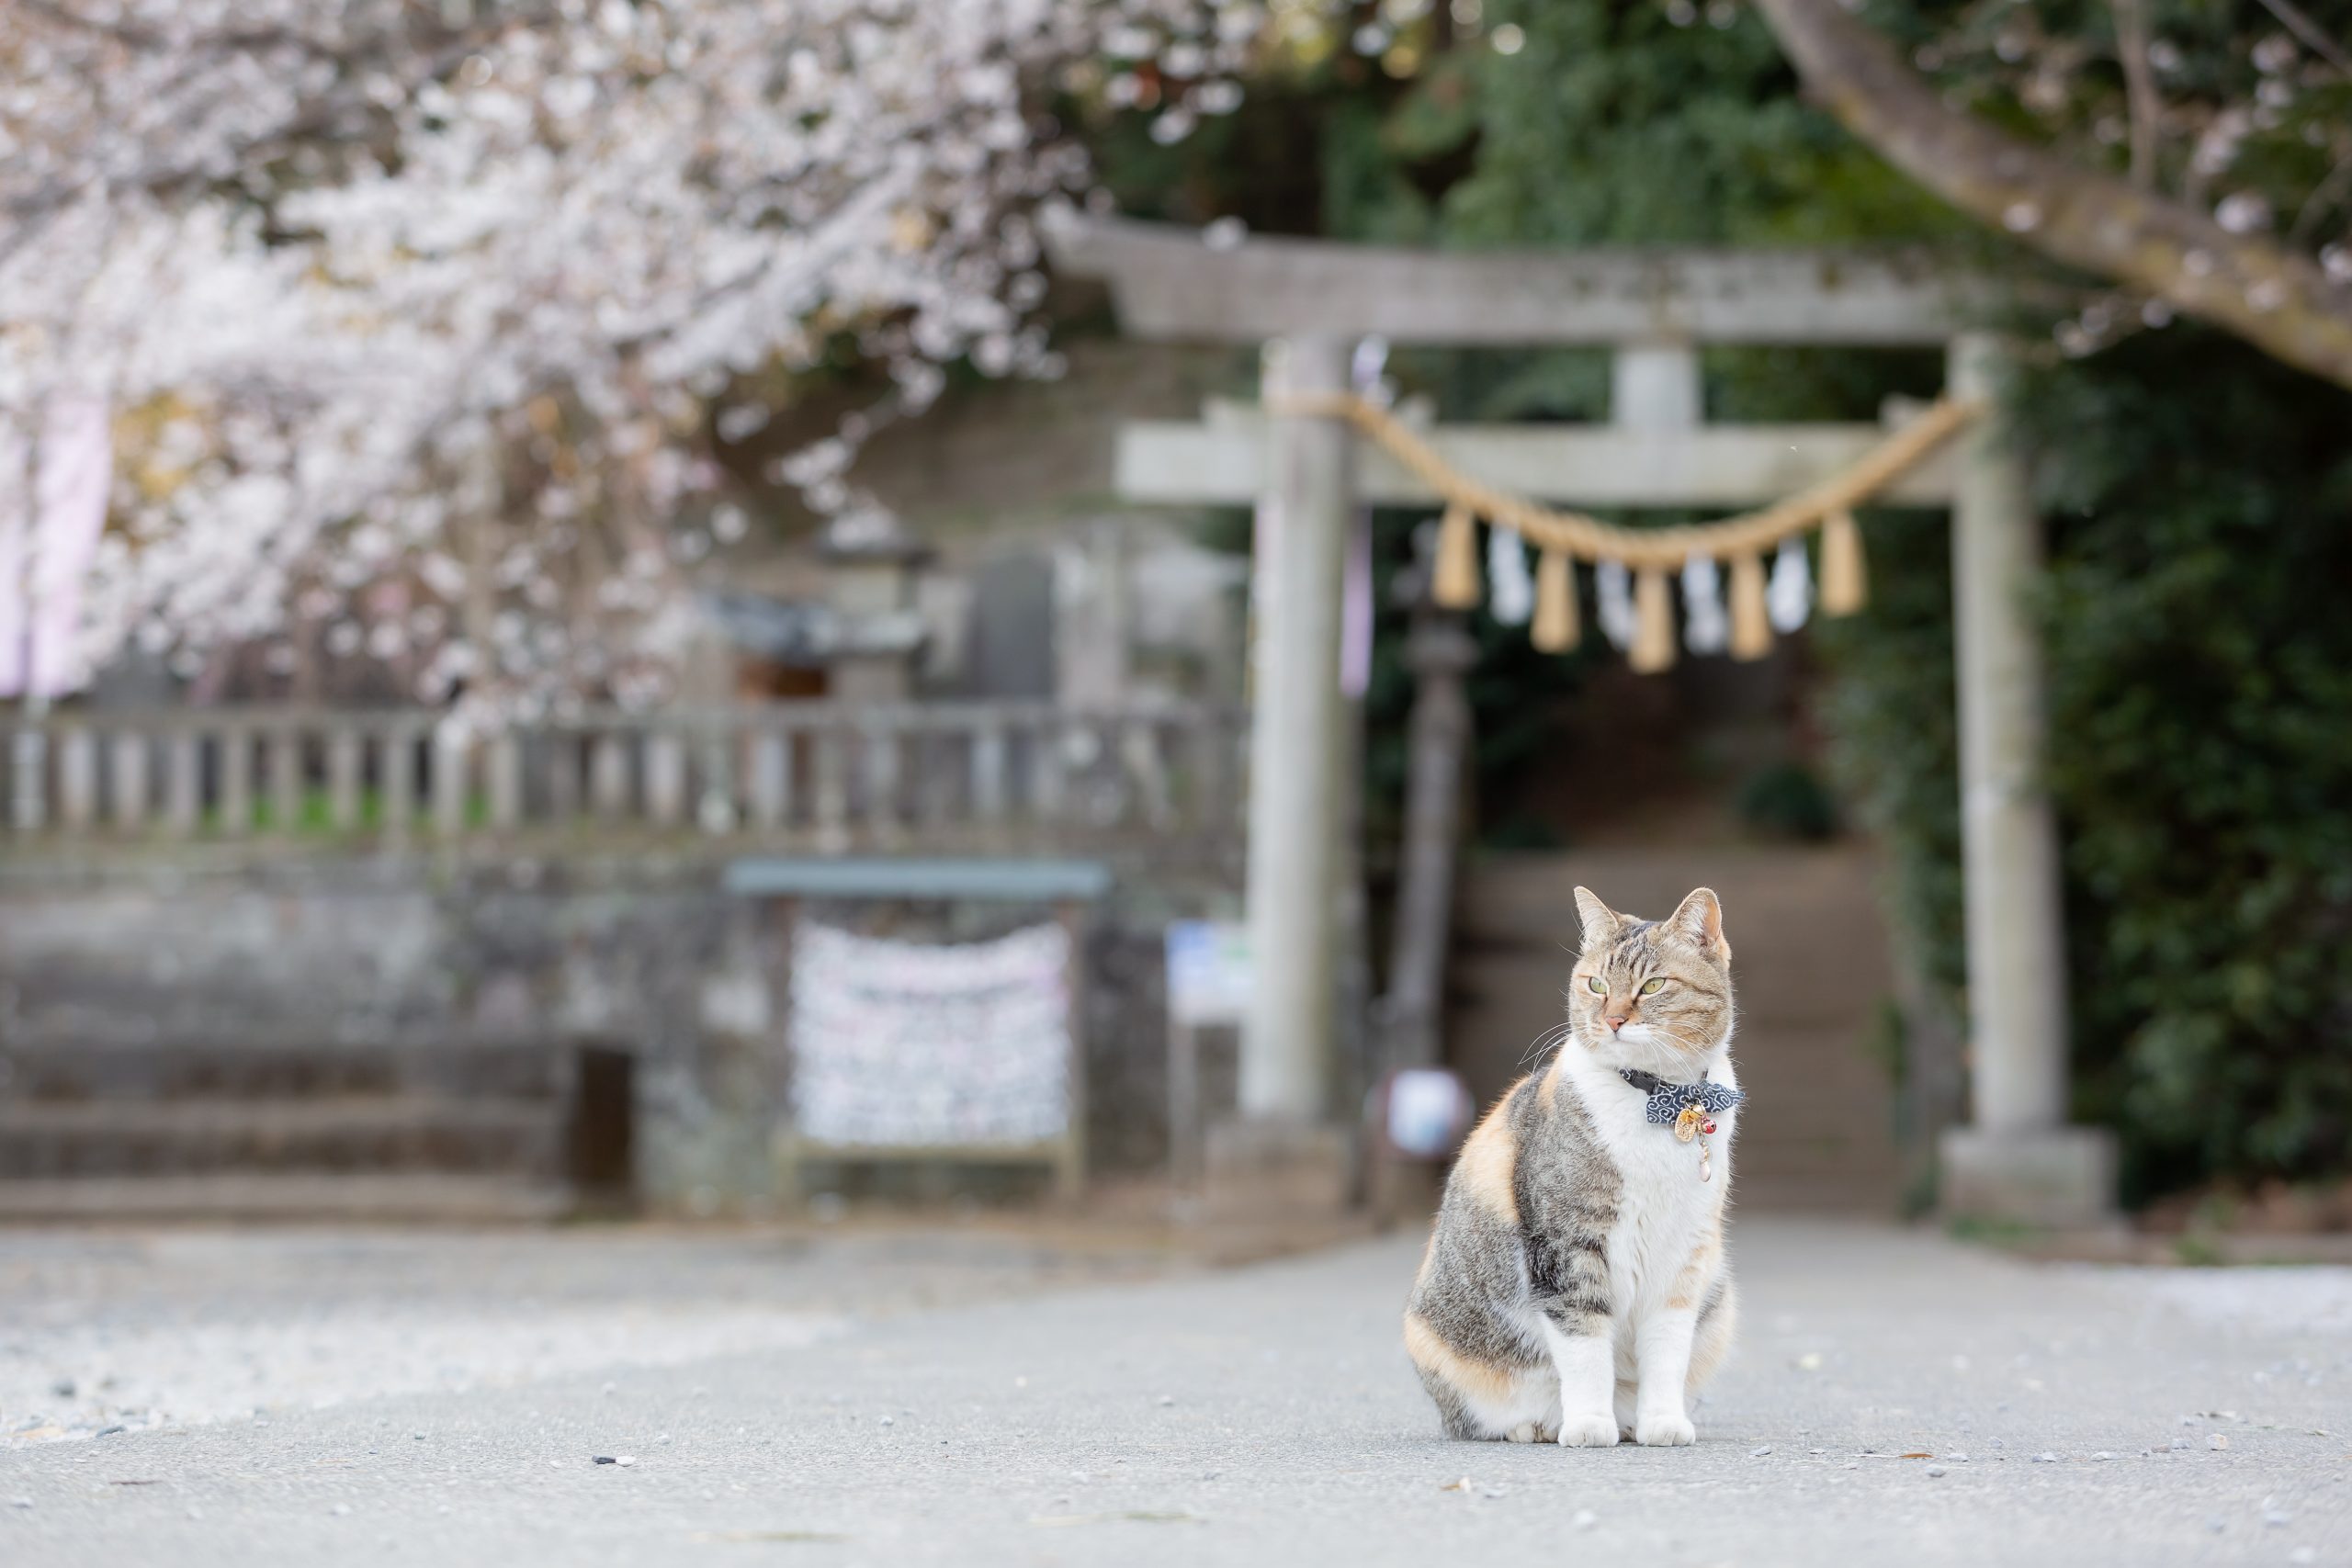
(1547, 1041)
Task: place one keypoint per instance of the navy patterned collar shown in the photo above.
(1667, 1100)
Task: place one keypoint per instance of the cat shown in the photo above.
(1575, 1287)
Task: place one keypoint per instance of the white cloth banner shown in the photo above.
(1706, 627)
(1510, 587)
(897, 1042)
(1613, 587)
(1789, 600)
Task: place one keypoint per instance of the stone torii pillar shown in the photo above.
(2018, 1158)
(1293, 727)
(1287, 1150)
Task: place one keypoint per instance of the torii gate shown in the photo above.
(1653, 309)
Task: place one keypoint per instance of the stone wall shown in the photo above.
(643, 951)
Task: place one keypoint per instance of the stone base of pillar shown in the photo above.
(2061, 1175)
(1255, 1170)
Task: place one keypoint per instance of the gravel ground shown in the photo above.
(971, 1399)
(174, 1329)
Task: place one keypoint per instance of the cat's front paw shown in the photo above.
(1589, 1431)
(1665, 1431)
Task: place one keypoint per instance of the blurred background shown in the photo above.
(742, 610)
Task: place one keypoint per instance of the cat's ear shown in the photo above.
(1700, 918)
(1602, 923)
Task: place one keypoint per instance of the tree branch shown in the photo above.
(418, 50)
(232, 40)
(2275, 299)
(2315, 41)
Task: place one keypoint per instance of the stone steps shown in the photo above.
(410, 1198)
(345, 1134)
(79, 1070)
(231, 1130)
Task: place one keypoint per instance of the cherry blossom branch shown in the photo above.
(2276, 299)
(2313, 38)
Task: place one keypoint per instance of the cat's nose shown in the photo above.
(1616, 1022)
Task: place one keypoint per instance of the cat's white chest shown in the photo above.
(1667, 1208)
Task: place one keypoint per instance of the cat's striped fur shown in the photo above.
(1575, 1287)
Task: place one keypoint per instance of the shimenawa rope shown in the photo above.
(1649, 553)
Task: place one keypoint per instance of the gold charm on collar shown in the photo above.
(1686, 1125)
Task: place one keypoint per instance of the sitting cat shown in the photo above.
(1576, 1285)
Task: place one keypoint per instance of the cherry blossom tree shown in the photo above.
(420, 318)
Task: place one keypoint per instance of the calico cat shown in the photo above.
(1575, 1286)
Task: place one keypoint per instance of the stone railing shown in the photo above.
(824, 776)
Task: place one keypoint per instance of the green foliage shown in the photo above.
(1515, 694)
(2200, 748)
(1894, 736)
(1614, 126)
(1787, 800)
(2201, 704)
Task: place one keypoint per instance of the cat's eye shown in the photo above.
(1653, 988)
(1598, 988)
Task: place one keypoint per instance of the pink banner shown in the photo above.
(45, 548)
(16, 522)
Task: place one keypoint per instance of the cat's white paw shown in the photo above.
(1589, 1431)
(1528, 1432)
(1665, 1431)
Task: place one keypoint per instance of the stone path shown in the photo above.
(972, 1399)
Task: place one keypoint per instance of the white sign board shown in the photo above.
(905, 1045)
(1208, 972)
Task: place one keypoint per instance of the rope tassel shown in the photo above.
(1842, 588)
(1455, 583)
(1653, 648)
(1751, 625)
(1556, 629)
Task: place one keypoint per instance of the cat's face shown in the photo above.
(1652, 994)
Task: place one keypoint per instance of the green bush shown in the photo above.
(2200, 749)
(1788, 800)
